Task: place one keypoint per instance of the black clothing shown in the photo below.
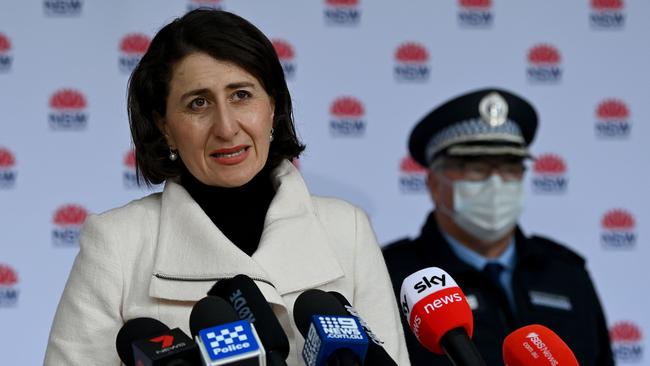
(238, 212)
(550, 287)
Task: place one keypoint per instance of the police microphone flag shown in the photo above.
(222, 338)
(536, 345)
(331, 336)
(148, 342)
(250, 304)
(439, 315)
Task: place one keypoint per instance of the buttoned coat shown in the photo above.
(155, 257)
(550, 285)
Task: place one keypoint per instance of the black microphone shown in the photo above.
(210, 311)
(224, 339)
(249, 303)
(376, 355)
(332, 336)
(146, 341)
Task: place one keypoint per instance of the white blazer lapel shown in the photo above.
(192, 253)
(294, 250)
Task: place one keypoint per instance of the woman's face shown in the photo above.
(219, 118)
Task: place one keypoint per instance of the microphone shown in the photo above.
(249, 303)
(148, 342)
(439, 315)
(222, 338)
(536, 345)
(376, 354)
(332, 337)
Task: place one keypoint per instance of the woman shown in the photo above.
(211, 117)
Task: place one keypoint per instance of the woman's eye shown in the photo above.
(198, 103)
(241, 94)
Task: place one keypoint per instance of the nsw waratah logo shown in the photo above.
(612, 119)
(347, 117)
(549, 174)
(617, 227)
(607, 14)
(62, 7)
(129, 176)
(627, 341)
(413, 176)
(5, 53)
(475, 13)
(7, 169)
(8, 286)
(342, 12)
(544, 64)
(195, 4)
(67, 222)
(411, 62)
(287, 56)
(132, 48)
(68, 110)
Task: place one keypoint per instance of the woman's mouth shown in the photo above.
(229, 154)
(232, 155)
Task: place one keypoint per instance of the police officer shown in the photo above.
(475, 146)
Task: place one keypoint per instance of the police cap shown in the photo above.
(483, 122)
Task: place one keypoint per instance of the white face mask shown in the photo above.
(487, 209)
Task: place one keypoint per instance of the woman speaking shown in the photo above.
(211, 117)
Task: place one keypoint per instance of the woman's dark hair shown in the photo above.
(226, 37)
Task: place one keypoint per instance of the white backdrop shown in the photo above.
(361, 73)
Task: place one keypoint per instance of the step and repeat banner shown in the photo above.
(361, 73)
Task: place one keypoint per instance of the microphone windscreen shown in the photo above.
(250, 304)
(134, 330)
(313, 302)
(332, 336)
(376, 355)
(536, 345)
(211, 311)
(433, 305)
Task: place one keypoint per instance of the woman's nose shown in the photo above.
(224, 125)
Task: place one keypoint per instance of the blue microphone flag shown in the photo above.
(329, 333)
(230, 342)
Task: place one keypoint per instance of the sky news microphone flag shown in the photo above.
(536, 345)
(439, 315)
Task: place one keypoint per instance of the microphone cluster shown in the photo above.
(234, 325)
(441, 319)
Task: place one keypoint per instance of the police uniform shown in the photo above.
(550, 284)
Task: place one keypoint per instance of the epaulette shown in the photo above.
(558, 251)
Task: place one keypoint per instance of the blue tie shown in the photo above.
(493, 272)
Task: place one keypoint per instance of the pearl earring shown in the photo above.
(172, 155)
(271, 137)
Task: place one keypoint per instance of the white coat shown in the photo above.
(155, 257)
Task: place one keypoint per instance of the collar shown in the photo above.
(506, 259)
(192, 253)
(435, 249)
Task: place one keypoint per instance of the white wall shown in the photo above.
(338, 51)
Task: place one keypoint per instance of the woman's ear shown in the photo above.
(272, 107)
(161, 123)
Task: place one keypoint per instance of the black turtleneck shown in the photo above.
(238, 212)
